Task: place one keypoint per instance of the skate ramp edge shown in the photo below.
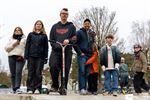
(70, 97)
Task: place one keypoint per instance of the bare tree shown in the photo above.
(141, 34)
(103, 23)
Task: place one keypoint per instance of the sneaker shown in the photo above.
(136, 94)
(89, 93)
(105, 93)
(83, 92)
(95, 93)
(115, 93)
(62, 91)
(144, 94)
(18, 91)
(36, 92)
(30, 92)
(12, 92)
(52, 89)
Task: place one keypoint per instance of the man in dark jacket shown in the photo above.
(110, 59)
(63, 32)
(85, 39)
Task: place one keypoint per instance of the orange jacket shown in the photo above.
(94, 61)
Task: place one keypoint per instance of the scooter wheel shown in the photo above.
(63, 92)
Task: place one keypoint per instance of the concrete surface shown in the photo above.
(71, 97)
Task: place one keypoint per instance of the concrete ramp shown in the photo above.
(71, 97)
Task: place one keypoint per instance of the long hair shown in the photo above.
(94, 47)
(19, 29)
(42, 29)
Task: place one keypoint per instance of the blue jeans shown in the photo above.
(111, 80)
(83, 72)
(15, 67)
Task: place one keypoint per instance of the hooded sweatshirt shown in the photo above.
(60, 32)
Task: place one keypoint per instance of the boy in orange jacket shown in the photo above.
(94, 70)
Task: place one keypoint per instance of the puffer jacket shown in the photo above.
(94, 61)
(140, 64)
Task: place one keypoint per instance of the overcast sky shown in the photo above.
(24, 13)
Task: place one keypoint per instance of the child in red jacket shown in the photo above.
(93, 76)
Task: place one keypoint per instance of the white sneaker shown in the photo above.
(105, 93)
(115, 93)
(37, 92)
(83, 92)
(11, 92)
(136, 94)
(30, 92)
(18, 91)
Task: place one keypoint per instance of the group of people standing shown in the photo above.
(34, 49)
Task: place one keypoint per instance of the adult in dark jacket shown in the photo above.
(36, 53)
(110, 59)
(63, 32)
(85, 39)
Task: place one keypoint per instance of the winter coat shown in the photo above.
(123, 69)
(36, 45)
(60, 32)
(17, 50)
(104, 55)
(140, 63)
(84, 42)
(94, 61)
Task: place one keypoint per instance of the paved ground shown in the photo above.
(71, 97)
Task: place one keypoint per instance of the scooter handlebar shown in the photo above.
(58, 42)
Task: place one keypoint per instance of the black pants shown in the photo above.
(15, 67)
(92, 82)
(35, 67)
(55, 64)
(124, 81)
(139, 82)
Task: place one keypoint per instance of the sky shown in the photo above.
(24, 13)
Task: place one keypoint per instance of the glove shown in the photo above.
(19, 38)
(45, 61)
